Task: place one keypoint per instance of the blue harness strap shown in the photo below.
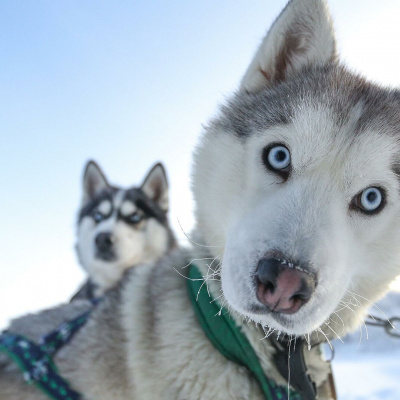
(35, 360)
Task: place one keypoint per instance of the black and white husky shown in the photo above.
(297, 192)
(120, 228)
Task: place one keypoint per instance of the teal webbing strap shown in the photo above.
(227, 337)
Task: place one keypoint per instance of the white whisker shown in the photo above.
(308, 340)
(326, 337)
(197, 259)
(288, 383)
(363, 322)
(192, 241)
(333, 331)
(374, 305)
(212, 301)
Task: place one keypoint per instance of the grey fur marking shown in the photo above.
(332, 86)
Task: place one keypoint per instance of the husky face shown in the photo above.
(297, 182)
(120, 228)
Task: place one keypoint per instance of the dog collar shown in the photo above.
(227, 337)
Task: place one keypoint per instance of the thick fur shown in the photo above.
(108, 210)
(144, 342)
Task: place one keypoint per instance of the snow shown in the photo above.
(369, 368)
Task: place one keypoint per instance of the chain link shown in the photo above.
(387, 324)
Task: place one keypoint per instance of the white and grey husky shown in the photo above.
(296, 184)
(120, 228)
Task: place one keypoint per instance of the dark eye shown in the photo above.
(134, 218)
(277, 159)
(370, 200)
(98, 216)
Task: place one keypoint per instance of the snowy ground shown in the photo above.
(370, 368)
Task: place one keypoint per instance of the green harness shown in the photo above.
(227, 337)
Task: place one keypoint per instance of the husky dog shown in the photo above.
(296, 184)
(119, 228)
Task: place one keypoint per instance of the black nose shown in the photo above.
(104, 242)
(283, 286)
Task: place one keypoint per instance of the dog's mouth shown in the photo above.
(106, 255)
(261, 310)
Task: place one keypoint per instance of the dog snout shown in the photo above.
(282, 285)
(104, 241)
(104, 245)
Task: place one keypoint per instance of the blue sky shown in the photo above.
(126, 83)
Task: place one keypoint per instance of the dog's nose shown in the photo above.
(283, 286)
(104, 241)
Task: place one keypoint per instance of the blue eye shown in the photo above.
(134, 218)
(370, 199)
(98, 216)
(279, 157)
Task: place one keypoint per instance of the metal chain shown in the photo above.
(387, 324)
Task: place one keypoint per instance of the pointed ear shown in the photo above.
(302, 35)
(155, 186)
(94, 181)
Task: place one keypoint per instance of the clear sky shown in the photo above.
(126, 83)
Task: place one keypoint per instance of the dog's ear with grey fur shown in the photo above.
(301, 36)
(94, 181)
(155, 186)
